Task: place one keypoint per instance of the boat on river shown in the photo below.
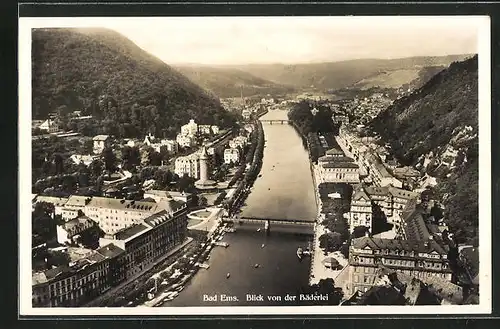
(228, 275)
(222, 244)
(300, 252)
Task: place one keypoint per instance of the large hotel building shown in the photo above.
(145, 233)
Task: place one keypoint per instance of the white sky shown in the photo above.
(243, 40)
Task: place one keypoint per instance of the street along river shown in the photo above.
(285, 191)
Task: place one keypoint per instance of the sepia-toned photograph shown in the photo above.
(264, 165)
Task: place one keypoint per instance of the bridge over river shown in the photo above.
(275, 121)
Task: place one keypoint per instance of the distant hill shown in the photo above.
(435, 128)
(413, 78)
(338, 75)
(228, 82)
(129, 91)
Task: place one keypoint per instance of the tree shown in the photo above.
(109, 159)
(58, 162)
(359, 231)
(43, 222)
(330, 241)
(436, 212)
(96, 168)
(327, 287)
(185, 183)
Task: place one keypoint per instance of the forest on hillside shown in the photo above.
(442, 115)
(128, 91)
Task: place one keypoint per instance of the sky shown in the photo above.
(288, 40)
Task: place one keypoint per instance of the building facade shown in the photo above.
(185, 140)
(231, 155)
(151, 239)
(190, 129)
(419, 259)
(100, 143)
(360, 213)
(113, 215)
(189, 165)
(81, 281)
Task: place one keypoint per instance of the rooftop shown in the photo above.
(52, 199)
(330, 158)
(334, 151)
(110, 251)
(111, 203)
(78, 225)
(100, 137)
(128, 232)
(340, 165)
(406, 245)
(78, 201)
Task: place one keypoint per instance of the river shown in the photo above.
(285, 190)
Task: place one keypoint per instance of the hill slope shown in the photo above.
(103, 73)
(338, 75)
(413, 78)
(227, 82)
(435, 128)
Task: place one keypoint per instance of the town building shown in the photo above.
(100, 143)
(185, 140)
(406, 173)
(340, 118)
(190, 129)
(113, 215)
(419, 259)
(189, 165)
(171, 145)
(205, 129)
(334, 169)
(392, 201)
(379, 174)
(247, 114)
(159, 196)
(85, 159)
(150, 239)
(334, 152)
(238, 141)
(130, 142)
(81, 281)
(215, 129)
(360, 213)
(58, 203)
(73, 206)
(231, 155)
(49, 126)
(68, 232)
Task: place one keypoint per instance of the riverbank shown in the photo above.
(172, 284)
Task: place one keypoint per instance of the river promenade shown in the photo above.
(318, 269)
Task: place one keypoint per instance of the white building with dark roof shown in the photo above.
(190, 129)
(113, 215)
(231, 155)
(189, 165)
(185, 140)
(70, 230)
(100, 143)
(150, 239)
